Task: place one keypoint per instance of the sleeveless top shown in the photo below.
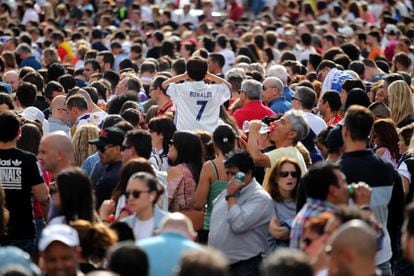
(215, 189)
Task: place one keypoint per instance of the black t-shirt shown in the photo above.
(19, 172)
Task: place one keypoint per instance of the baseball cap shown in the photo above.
(13, 257)
(33, 113)
(346, 30)
(58, 232)
(391, 29)
(109, 136)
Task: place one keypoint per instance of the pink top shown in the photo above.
(387, 156)
(181, 190)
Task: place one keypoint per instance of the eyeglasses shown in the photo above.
(103, 149)
(135, 193)
(124, 147)
(265, 88)
(284, 174)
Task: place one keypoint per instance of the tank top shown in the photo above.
(215, 189)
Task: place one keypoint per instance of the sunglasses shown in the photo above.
(135, 193)
(103, 149)
(265, 88)
(286, 174)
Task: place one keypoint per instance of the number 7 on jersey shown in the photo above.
(202, 108)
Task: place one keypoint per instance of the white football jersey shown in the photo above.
(198, 104)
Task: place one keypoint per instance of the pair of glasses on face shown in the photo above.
(284, 174)
(103, 149)
(135, 193)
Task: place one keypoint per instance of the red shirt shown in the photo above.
(168, 107)
(254, 110)
(334, 120)
(236, 12)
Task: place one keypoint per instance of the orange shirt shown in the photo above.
(375, 52)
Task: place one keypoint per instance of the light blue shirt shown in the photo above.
(164, 252)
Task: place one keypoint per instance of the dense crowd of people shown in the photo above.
(206, 137)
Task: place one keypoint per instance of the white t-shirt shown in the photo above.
(143, 228)
(316, 123)
(97, 116)
(197, 104)
(229, 57)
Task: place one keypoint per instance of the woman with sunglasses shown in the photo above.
(185, 156)
(282, 187)
(142, 192)
(72, 196)
(117, 208)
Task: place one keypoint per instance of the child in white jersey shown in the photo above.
(197, 102)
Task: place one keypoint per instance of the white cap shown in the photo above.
(346, 30)
(33, 113)
(58, 232)
(391, 29)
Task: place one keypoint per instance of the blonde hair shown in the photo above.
(51, 55)
(80, 141)
(400, 100)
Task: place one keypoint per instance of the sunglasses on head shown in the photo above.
(135, 193)
(286, 174)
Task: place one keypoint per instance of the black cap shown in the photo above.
(109, 136)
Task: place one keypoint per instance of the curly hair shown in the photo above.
(80, 141)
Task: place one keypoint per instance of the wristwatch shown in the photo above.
(229, 196)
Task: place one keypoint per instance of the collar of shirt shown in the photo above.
(83, 117)
(318, 202)
(357, 153)
(248, 188)
(165, 107)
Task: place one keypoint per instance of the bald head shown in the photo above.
(359, 236)
(56, 105)
(12, 78)
(178, 222)
(55, 152)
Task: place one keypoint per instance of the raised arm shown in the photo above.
(174, 80)
(217, 79)
(260, 159)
